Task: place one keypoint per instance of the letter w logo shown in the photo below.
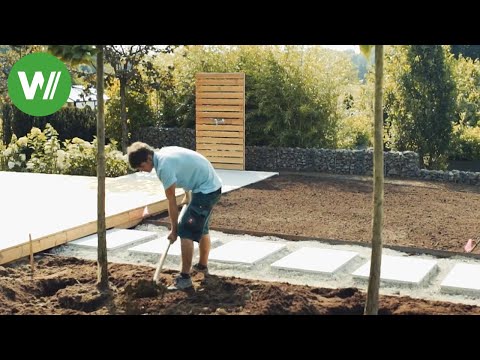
(30, 89)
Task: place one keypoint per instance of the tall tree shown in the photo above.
(427, 92)
(371, 305)
(78, 54)
(126, 61)
(9, 55)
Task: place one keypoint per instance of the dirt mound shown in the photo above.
(68, 286)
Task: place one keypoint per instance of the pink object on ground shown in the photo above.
(470, 245)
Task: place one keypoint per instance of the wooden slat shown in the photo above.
(218, 114)
(219, 76)
(129, 224)
(229, 121)
(224, 154)
(130, 217)
(229, 108)
(220, 81)
(200, 101)
(84, 230)
(228, 166)
(221, 127)
(227, 147)
(216, 88)
(210, 120)
(225, 160)
(219, 134)
(210, 140)
(219, 95)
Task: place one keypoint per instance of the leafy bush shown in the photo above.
(291, 92)
(50, 156)
(355, 132)
(68, 122)
(45, 146)
(467, 79)
(139, 113)
(12, 157)
(465, 143)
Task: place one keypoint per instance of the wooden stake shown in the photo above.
(31, 252)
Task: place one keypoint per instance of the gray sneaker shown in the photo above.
(181, 283)
(201, 269)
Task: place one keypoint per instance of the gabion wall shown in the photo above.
(354, 162)
(160, 137)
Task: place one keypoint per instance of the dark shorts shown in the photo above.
(196, 219)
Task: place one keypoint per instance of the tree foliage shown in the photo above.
(466, 73)
(129, 62)
(470, 51)
(9, 55)
(420, 102)
(292, 92)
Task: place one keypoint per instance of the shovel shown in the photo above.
(164, 255)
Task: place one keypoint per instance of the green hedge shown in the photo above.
(69, 122)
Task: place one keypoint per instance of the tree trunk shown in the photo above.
(371, 306)
(102, 270)
(123, 114)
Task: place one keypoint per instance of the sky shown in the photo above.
(343, 47)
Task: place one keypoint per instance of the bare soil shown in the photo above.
(66, 286)
(429, 215)
(417, 214)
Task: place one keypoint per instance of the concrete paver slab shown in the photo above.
(116, 238)
(245, 252)
(463, 278)
(158, 246)
(401, 269)
(315, 260)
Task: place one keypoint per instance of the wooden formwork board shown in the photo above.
(55, 209)
(220, 119)
(123, 220)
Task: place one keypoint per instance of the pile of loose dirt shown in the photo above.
(63, 285)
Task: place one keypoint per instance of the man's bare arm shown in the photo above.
(172, 212)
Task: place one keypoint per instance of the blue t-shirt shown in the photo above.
(187, 168)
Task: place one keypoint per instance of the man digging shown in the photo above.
(184, 168)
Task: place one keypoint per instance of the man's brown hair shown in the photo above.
(138, 153)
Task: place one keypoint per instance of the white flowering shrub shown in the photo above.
(50, 156)
(13, 157)
(80, 157)
(45, 145)
(116, 163)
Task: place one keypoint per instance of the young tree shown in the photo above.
(371, 305)
(77, 54)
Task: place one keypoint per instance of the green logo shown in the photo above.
(39, 84)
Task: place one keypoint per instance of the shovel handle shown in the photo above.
(164, 255)
(160, 263)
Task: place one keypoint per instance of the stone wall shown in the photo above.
(160, 137)
(354, 162)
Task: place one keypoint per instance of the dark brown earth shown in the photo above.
(417, 214)
(431, 215)
(66, 286)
